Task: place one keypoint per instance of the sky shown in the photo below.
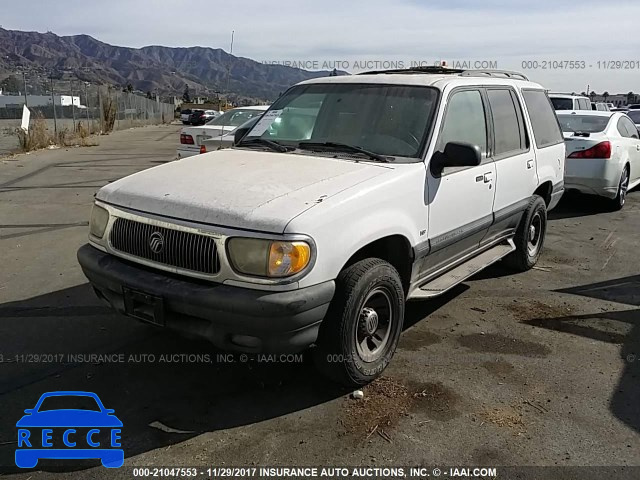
(536, 38)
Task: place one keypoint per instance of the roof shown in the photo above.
(253, 107)
(436, 80)
(589, 113)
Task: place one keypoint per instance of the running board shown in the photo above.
(459, 274)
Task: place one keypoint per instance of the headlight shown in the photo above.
(267, 258)
(99, 220)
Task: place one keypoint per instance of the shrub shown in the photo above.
(36, 137)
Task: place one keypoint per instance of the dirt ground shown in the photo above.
(539, 368)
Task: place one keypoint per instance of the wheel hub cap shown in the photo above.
(374, 325)
(369, 321)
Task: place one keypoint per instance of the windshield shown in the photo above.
(634, 115)
(69, 402)
(562, 103)
(235, 117)
(391, 120)
(583, 123)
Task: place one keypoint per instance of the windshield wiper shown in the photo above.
(278, 147)
(342, 147)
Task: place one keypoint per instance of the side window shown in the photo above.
(544, 121)
(627, 128)
(507, 122)
(464, 120)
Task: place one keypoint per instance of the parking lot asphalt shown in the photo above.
(540, 368)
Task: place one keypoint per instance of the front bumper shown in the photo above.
(273, 322)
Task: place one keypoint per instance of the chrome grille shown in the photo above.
(184, 250)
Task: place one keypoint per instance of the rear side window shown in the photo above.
(507, 122)
(465, 120)
(562, 103)
(627, 128)
(544, 122)
(584, 104)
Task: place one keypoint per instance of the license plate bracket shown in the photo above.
(143, 306)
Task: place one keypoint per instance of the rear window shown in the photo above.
(562, 103)
(186, 111)
(583, 123)
(546, 129)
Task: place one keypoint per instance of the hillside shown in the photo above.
(166, 69)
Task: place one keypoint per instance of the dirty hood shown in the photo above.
(242, 189)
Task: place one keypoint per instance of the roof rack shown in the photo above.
(494, 73)
(424, 69)
(436, 70)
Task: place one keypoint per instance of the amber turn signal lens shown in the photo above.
(288, 258)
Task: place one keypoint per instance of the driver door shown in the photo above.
(460, 199)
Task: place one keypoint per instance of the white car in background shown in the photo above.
(191, 138)
(603, 154)
(570, 102)
(227, 140)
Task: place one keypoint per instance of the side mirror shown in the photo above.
(456, 154)
(239, 134)
(29, 411)
(109, 411)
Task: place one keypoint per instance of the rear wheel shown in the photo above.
(360, 332)
(621, 198)
(529, 238)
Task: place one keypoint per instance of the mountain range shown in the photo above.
(154, 68)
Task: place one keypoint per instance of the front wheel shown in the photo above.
(529, 237)
(360, 332)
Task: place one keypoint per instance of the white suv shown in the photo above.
(570, 102)
(350, 196)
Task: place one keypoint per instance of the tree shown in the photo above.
(593, 95)
(584, 94)
(149, 96)
(631, 97)
(129, 88)
(186, 98)
(605, 95)
(10, 85)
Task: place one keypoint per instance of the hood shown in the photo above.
(243, 189)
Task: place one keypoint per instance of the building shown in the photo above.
(17, 101)
(619, 100)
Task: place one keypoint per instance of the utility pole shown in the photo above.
(24, 79)
(53, 100)
(73, 107)
(86, 99)
(229, 63)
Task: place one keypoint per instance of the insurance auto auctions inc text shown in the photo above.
(348, 65)
(336, 473)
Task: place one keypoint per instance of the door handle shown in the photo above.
(529, 164)
(488, 177)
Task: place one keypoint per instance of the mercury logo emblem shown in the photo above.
(156, 242)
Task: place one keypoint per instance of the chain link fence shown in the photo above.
(65, 109)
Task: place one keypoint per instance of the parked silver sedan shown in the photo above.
(603, 154)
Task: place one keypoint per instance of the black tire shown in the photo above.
(621, 197)
(343, 350)
(529, 243)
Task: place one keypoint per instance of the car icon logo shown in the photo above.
(53, 430)
(156, 242)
